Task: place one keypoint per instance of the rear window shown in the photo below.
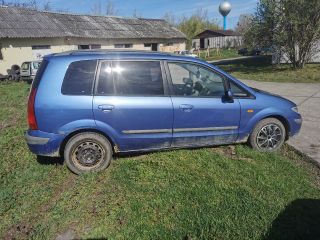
(25, 66)
(79, 78)
(39, 74)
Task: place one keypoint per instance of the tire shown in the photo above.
(268, 135)
(87, 152)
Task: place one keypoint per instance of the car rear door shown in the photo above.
(202, 114)
(132, 105)
(25, 70)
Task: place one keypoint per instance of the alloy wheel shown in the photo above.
(269, 137)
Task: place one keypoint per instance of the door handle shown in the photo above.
(106, 108)
(186, 107)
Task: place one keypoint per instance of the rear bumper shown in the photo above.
(27, 78)
(44, 144)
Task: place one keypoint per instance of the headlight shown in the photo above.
(295, 109)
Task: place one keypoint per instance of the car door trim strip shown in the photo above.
(205, 129)
(179, 130)
(147, 131)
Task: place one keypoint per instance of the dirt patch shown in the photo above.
(230, 152)
(4, 126)
(18, 231)
(67, 235)
(25, 227)
(11, 123)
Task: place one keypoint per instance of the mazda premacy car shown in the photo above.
(87, 106)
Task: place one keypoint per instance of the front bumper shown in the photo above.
(44, 144)
(295, 126)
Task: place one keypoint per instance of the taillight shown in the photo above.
(31, 113)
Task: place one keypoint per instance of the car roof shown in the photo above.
(116, 54)
(32, 61)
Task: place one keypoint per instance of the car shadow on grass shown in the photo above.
(299, 220)
(50, 160)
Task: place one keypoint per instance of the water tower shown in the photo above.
(224, 9)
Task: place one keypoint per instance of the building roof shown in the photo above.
(216, 33)
(28, 23)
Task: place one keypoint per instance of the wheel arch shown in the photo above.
(283, 120)
(71, 134)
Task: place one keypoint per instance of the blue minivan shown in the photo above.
(89, 105)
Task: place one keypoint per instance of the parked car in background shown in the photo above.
(247, 52)
(28, 70)
(88, 106)
(186, 53)
(3, 77)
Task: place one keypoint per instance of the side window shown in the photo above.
(79, 78)
(138, 78)
(105, 81)
(237, 91)
(193, 80)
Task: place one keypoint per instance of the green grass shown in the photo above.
(261, 69)
(222, 54)
(208, 193)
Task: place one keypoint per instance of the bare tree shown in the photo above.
(244, 23)
(47, 6)
(96, 8)
(62, 10)
(111, 9)
(32, 4)
(170, 18)
(136, 14)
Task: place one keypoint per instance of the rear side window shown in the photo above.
(79, 78)
(105, 80)
(138, 78)
(40, 73)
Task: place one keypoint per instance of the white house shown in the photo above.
(27, 34)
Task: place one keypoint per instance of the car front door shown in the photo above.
(203, 115)
(131, 104)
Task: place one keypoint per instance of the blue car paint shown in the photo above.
(58, 116)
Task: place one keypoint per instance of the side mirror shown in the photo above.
(229, 95)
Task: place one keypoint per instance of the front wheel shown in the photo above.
(88, 152)
(268, 135)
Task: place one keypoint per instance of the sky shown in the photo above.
(157, 9)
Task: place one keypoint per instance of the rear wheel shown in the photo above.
(268, 135)
(88, 152)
